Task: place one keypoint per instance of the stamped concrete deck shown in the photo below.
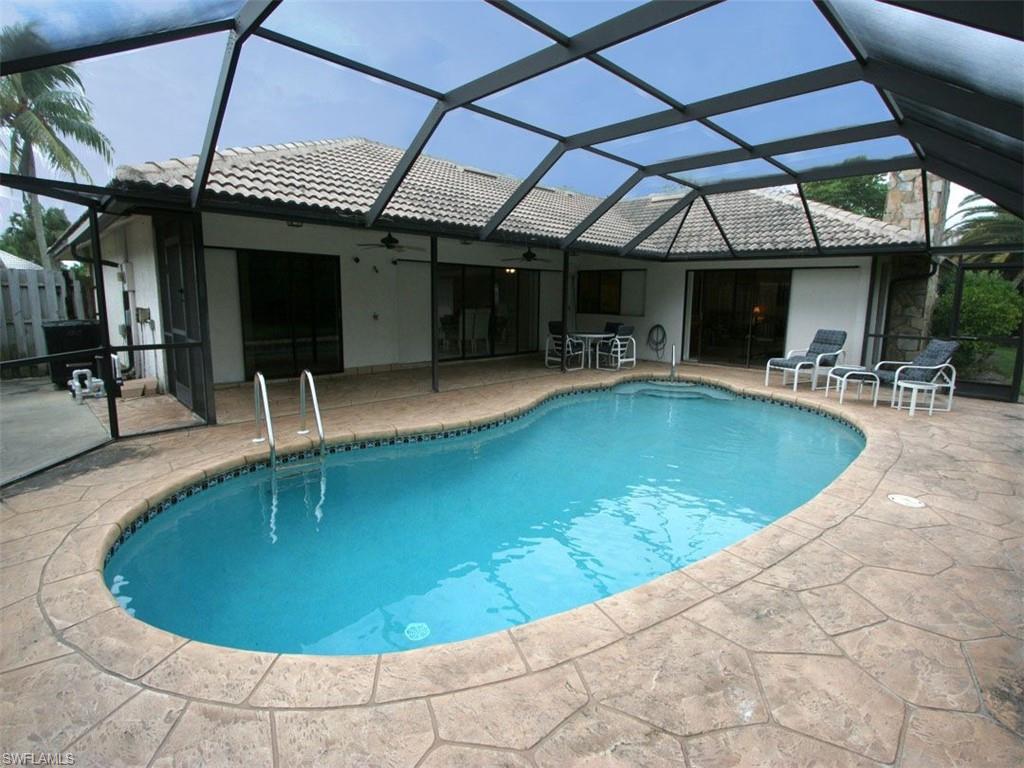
(852, 632)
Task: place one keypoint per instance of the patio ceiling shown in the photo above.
(700, 97)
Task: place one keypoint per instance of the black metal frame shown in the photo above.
(984, 169)
(937, 150)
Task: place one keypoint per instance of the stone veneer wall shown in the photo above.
(911, 301)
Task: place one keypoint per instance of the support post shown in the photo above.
(435, 383)
(199, 259)
(565, 308)
(106, 369)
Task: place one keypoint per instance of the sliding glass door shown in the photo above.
(291, 313)
(738, 317)
(486, 311)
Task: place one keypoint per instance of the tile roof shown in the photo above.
(346, 175)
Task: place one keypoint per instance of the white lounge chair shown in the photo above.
(826, 351)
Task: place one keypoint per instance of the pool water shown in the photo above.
(410, 545)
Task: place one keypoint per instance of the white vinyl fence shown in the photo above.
(27, 298)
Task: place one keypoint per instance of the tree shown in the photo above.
(19, 238)
(864, 195)
(991, 306)
(984, 223)
(39, 111)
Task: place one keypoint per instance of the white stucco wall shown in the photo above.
(130, 244)
(385, 295)
(663, 302)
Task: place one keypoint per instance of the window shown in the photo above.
(611, 291)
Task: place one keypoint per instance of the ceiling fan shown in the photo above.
(391, 243)
(528, 255)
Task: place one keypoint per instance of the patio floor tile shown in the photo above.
(448, 667)
(838, 609)
(951, 738)
(129, 737)
(999, 665)
(676, 676)
(44, 707)
(829, 698)
(208, 734)
(763, 618)
(383, 735)
(316, 681)
(921, 667)
(211, 672)
(515, 714)
(921, 601)
(597, 736)
(764, 746)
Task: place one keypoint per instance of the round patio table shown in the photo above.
(589, 339)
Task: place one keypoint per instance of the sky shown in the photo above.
(154, 103)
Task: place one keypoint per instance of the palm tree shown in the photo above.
(39, 110)
(984, 223)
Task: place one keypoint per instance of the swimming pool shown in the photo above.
(403, 546)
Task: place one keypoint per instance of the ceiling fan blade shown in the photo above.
(513, 258)
(369, 245)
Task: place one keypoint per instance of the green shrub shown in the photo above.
(991, 306)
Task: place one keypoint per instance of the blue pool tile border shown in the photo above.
(245, 469)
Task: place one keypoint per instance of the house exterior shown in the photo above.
(735, 279)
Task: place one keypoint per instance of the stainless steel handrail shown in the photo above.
(303, 430)
(259, 396)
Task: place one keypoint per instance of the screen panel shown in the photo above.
(439, 44)
(844, 106)
(146, 105)
(573, 98)
(733, 45)
(699, 236)
(746, 169)
(973, 59)
(677, 141)
(887, 148)
(771, 219)
(62, 25)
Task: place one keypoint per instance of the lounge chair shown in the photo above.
(931, 366)
(619, 351)
(553, 348)
(826, 350)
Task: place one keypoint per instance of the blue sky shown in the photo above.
(154, 103)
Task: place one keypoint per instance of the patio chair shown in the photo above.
(826, 351)
(612, 327)
(553, 348)
(619, 351)
(931, 366)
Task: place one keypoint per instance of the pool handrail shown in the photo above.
(303, 429)
(259, 386)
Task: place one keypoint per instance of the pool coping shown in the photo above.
(143, 654)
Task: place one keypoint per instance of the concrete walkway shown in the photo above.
(851, 632)
(40, 424)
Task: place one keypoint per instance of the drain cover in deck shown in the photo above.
(906, 501)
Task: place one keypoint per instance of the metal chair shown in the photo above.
(826, 351)
(619, 351)
(932, 366)
(553, 348)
